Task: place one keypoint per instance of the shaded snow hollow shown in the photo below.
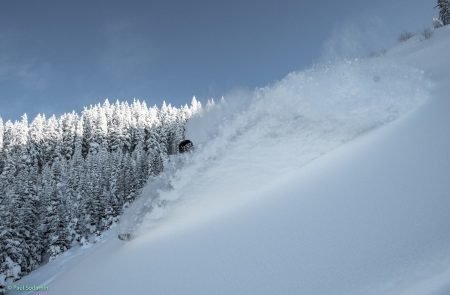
(268, 203)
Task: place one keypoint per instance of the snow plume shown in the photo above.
(352, 40)
(245, 143)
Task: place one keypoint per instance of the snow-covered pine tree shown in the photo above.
(142, 166)
(22, 131)
(210, 104)
(92, 208)
(115, 201)
(36, 140)
(115, 129)
(196, 106)
(11, 257)
(26, 210)
(82, 222)
(7, 137)
(68, 134)
(168, 129)
(1, 144)
(108, 109)
(10, 269)
(103, 176)
(9, 164)
(100, 130)
(54, 221)
(51, 137)
(128, 178)
(138, 110)
(3, 267)
(444, 11)
(153, 147)
(127, 131)
(74, 185)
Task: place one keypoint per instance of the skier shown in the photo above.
(185, 146)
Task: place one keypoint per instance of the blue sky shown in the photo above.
(58, 56)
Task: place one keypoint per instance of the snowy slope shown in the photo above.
(274, 202)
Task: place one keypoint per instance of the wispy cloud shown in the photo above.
(31, 74)
(126, 49)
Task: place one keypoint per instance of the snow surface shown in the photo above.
(268, 203)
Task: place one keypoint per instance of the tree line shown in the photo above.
(65, 180)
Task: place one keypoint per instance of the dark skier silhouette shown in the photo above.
(185, 146)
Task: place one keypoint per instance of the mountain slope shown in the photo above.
(369, 217)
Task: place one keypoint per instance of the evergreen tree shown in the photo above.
(196, 106)
(13, 258)
(51, 139)
(116, 129)
(1, 144)
(25, 210)
(55, 220)
(75, 172)
(141, 165)
(127, 132)
(444, 11)
(36, 140)
(115, 200)
(68, 134)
